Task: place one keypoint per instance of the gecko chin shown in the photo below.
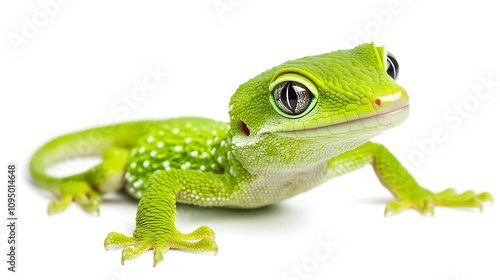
(367, 126)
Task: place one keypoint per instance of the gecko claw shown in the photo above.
(425, 201)
(160, 242)
(80, 192)
(394, 207)
(485, 197)
(427, 207)
(465, 199)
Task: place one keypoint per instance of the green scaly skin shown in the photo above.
(263, 156)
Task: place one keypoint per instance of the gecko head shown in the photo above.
(308, 110)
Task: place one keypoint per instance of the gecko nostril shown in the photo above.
(378, 102)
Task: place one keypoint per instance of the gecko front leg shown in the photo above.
(408, 193)
(155, 228)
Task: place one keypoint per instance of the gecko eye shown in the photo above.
(392, 66)
(292, 98)
(292, 95)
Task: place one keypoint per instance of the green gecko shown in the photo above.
(291, 128)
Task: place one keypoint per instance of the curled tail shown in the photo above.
(84, 143)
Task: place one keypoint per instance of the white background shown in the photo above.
(68, 74)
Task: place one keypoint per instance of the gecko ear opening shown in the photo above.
(245, 129)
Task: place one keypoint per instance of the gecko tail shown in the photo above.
(90, 142)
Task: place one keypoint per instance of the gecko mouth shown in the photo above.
(376, 123)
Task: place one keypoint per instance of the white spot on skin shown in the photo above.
(150, 139)
(142, 149)
(138, 193)
(194, 153)
(153, 153)
(219, 160)
(161, 133)
(175, 130)
(133, 165)
(209, 142)
(186, 165)
(223, 143)
(178, 148)
(166, 164)
(212, 152)
(145, 164)
(202, 168)
(133, 152)
(137, 183)
(131, 179)
(214, 132)
(187, 140)
(213, 166)
(204, 155)
(160, 145)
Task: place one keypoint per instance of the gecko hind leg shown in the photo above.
(86, 188)
(80, 192)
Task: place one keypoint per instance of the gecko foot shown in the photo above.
(78, 191)
(160, 241)
(424, 201)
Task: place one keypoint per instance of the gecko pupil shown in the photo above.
(292, 98)
(289, 97)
